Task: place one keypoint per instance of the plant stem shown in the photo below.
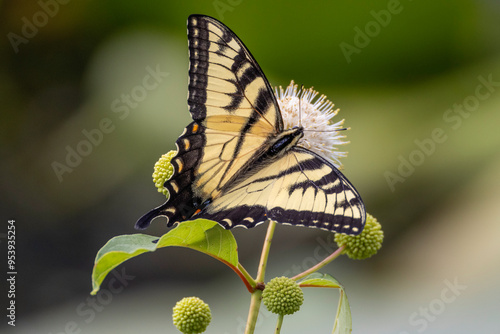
(255, 300)
(279, 324)
(253, 313)
(265, 252)
(320, 265)
(247, 276)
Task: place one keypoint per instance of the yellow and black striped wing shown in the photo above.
(231, 100)
(234, 112)
(299, 188)
(235, 163)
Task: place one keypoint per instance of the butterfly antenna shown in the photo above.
(301, 92)
(343, 129)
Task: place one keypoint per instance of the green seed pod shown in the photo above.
(282, 296)
(364, 245)
(191, 315)
(163, 170)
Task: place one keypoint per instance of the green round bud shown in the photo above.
(163, 170)
(282, 296)
(365, 244)
(191, 315)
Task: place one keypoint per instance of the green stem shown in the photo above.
(279, 324)
(320, 265)
(265, 252)
(256, 298)
(245, 274)
(254, 311)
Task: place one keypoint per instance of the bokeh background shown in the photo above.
(417, 81)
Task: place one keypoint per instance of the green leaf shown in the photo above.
(205, 236)
(343, 319)
(118, 250)
(202, 235)
(320, 281)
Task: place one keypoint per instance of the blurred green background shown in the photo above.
(417, 81)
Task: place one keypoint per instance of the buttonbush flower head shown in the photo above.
(282, 296)
(191, 315)
(163, 170)
(302, 107)
(365, 244)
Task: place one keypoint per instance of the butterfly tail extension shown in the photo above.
(146, 219)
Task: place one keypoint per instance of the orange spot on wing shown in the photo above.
(180, 165)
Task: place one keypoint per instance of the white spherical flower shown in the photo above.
(301, 107)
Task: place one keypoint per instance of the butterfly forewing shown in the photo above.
(231, 99)
(299, 188)
(224, 78)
